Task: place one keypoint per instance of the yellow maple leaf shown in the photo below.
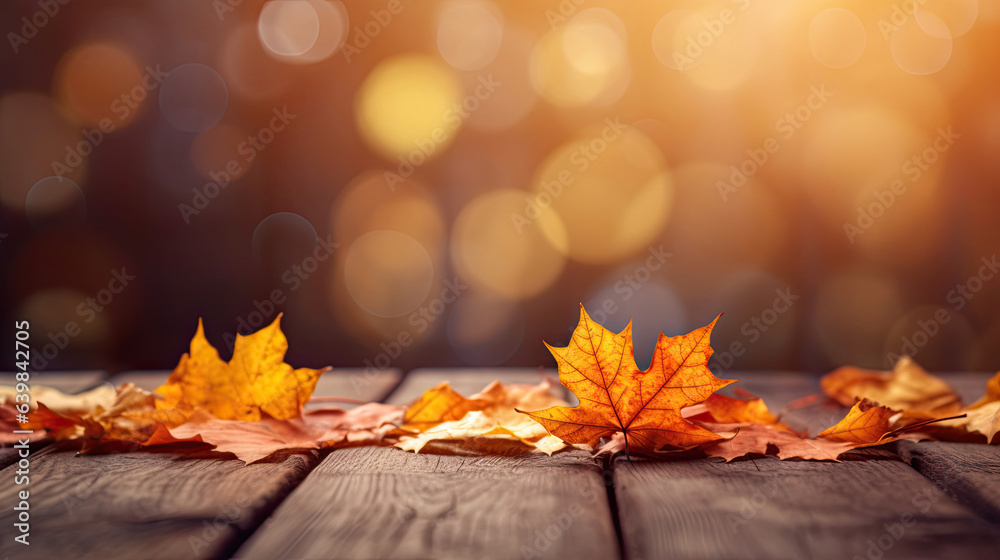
(256, 381)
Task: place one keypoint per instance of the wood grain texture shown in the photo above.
(968, 472)
(788, 509)
(146, 505)
(388, 503)
(10, 455)
(142, 505)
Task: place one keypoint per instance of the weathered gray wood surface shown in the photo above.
(703, 509)
(871, 505)
(968, 472)
(388, 503)
(10, 455)
(147, 505)
(143, 505)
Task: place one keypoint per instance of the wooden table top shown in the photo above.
(905, 500)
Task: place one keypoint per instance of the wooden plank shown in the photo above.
(388, 503)
(146, 505)
(792, 509)
(351, 383)
(968, 472)
(869, 506)
(10, 455)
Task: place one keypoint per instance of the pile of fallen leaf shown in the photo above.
(254, 406)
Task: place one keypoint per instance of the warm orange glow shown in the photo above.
(837, 38)
(469, 34)
(103, 83)
(388, 273)
(491, 249)
(288, 27)
(922, 48)
(605, 224)
(302, 31)
(537, 155)
(33, 136)
(584, 62)
(406, 107)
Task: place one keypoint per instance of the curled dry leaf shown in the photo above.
(59, 408)
(128, 417)
(328, 428)
(443, 420)
(928, 404)
(906, 387)
(865, 423)
(745, 427)
(750, 410)
(983, 416)
(57, 401)
(750, 428)
(985, 420)
(759, 439)
(255, 383)
(616, 396)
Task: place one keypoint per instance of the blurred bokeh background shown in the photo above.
(443, 182)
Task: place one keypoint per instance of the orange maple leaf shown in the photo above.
(599, 367)
(865, 423)
(256, 382)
